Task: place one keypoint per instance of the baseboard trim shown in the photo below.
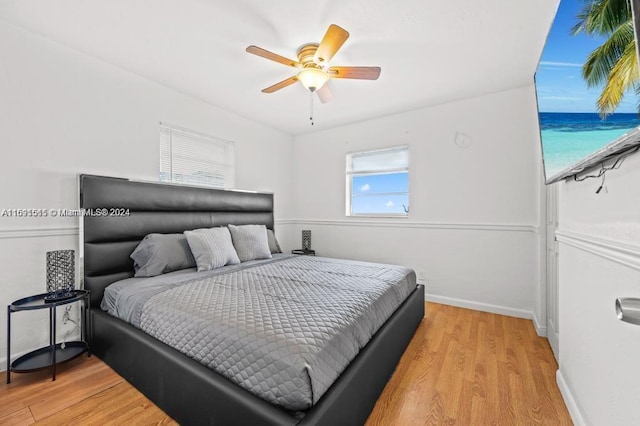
(479, 306)
(36, 232)
(540, 328)
(569, 400)
(616, 251)
(404, 223)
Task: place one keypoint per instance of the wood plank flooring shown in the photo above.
(462, 367)
(467, 367)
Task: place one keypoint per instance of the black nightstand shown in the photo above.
(304, 252)
(49, 356)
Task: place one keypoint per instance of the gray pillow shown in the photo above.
(212, 248)
(274, 247)
(161, 253)
(250, 241)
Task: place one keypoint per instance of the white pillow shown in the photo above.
(250, 241)
(212, 248)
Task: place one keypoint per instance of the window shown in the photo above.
(193, 158)
(378, 182)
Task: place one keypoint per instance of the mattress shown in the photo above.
(283, 328)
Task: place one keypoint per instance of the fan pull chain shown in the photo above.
(311, 109)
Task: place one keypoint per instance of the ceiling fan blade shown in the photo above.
(324, 93)
(360, 73)
(333, 40)
(284, 83)
(272, 56)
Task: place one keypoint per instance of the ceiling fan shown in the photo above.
(313, 61)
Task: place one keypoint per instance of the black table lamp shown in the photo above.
(60, 274)
(306, 240)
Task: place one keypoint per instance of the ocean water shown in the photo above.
(569, 137)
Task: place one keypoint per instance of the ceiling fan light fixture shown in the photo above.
(313, 70)
(313, 78)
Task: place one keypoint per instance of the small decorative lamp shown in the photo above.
(60, 275)
(306, 240)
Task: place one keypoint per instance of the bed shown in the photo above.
(121, 212)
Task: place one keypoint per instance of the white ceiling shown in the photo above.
(430, 52)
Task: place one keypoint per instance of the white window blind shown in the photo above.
(384, 160)
(194, 158)
(378, 182)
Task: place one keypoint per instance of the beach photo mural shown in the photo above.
(587, 81)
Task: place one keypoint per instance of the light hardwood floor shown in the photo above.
(462, 367)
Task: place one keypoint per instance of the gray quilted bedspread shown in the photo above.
(284, 329)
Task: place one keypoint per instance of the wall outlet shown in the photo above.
(421, 277)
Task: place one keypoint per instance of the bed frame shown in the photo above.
(185, 389)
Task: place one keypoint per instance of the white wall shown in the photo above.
(63, 113)
(474, 211)
(599, 238)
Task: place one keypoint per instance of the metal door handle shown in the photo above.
(628, 309)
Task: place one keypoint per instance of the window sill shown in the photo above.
(378, 216)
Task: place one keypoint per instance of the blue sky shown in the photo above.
(559, 82)
(373, 193)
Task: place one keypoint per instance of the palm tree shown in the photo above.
(613, 64)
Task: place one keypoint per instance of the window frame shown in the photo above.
(227, 164)
(349, 174)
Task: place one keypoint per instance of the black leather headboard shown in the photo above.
(108, 240)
